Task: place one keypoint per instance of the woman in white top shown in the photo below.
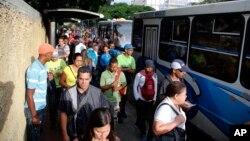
(165, 118)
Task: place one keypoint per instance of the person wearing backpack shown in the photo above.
(145, 93)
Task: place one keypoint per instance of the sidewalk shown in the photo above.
(127, 131)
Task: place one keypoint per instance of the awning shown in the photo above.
(72, 13)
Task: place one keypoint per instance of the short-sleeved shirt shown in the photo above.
(56, 67)
(105, 58)
(93, 55)
(36, 78)
(79, 47)
(114, 52)
(63, 50)
(70, 75)
(126, 62)
(108, 78)
(165, 113)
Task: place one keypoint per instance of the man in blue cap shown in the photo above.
(127, 64)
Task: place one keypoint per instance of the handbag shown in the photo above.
(123, 90)
(177, 134)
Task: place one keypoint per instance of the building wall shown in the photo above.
(21, 31)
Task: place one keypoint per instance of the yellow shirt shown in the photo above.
(56, 67)
(70, 75)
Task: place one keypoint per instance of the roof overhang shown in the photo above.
(72, 13)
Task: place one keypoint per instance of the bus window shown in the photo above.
(173, 39)
(137, 34)
(219, 52)
(246, 61)
(227, 25)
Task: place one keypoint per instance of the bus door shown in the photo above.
(150, 40)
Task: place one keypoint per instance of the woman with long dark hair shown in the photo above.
(99, 127)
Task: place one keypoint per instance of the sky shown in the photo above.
(127, 1)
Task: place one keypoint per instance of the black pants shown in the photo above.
(145, 115)
(53, 99)
(124, 99)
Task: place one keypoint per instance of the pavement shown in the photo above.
(127, 131)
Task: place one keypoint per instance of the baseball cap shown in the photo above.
(179, 64)
(45, 48)
(149, 63)
(128, 46)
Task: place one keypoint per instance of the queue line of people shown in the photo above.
(79, 98)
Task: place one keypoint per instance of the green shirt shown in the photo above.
(126, 62)
(56, 67)
(108, 78)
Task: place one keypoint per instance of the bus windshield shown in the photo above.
(119, 32)
(123, 30)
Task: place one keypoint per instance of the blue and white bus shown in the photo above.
(214, 41)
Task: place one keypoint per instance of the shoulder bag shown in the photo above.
(123, 90)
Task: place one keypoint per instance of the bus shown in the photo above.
(117, 30)
(214, 41)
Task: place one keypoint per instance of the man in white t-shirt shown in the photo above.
(79, 46)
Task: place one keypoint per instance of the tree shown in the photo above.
(122, 10)
(90, 5)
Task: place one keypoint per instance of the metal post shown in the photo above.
(53, 32)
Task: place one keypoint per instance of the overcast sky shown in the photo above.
(127, 1)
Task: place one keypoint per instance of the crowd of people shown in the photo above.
(85, 84)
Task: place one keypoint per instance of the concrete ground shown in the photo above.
(127, 131)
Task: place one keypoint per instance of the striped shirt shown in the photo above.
(36, 78)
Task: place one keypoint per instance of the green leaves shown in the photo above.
(122, 10)
(90, 5)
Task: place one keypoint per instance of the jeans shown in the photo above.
(145, 116)
(34, 131)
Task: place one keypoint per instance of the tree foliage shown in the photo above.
(122, 10)
(90, 5)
